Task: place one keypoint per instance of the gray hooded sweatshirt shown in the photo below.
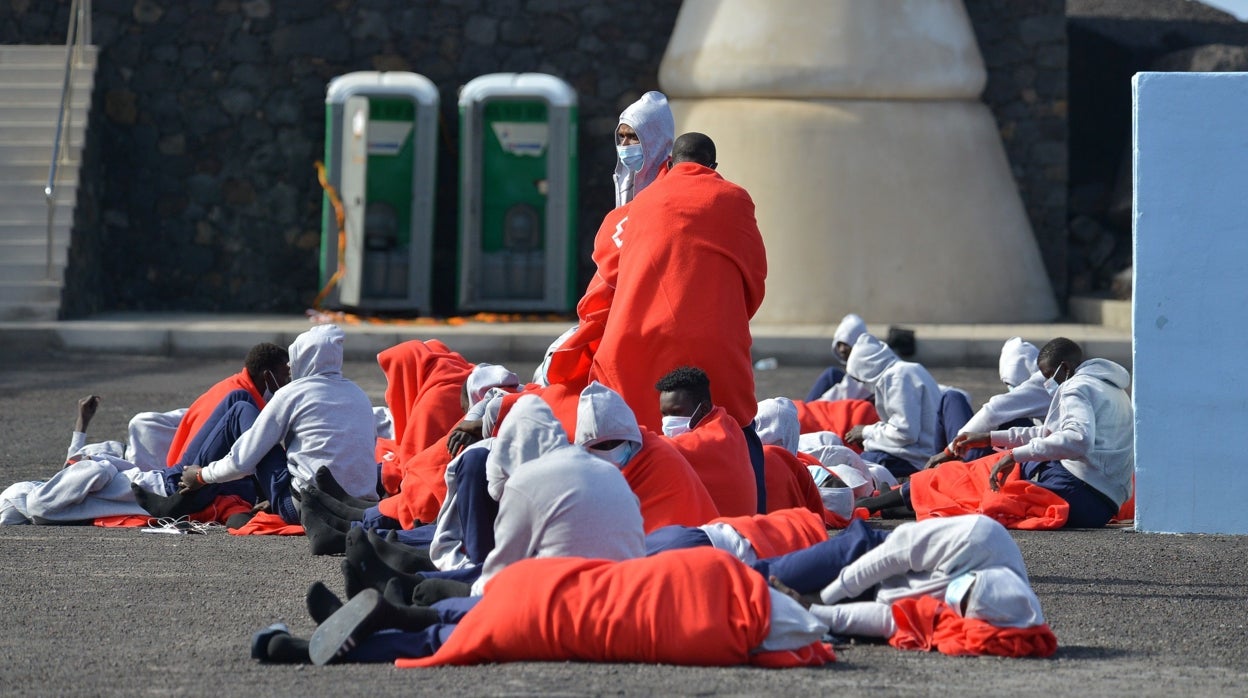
(554, 498)
(907, 399)
(1090, 428)
(849, 388)
(320, 418)
(651, 118)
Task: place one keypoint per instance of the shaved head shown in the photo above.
(694, 147)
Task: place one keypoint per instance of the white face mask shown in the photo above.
(1050, 383)
(675, 426)
(632, 156)
(268, 391)
(620, 455)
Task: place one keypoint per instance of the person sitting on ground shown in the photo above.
(834, 383)
(1082, 455)
(554, 500)
(907, 399)
(265, 369)
(320, 419)
(705, 434)
(667, 487)
(1024, 404)
(1084, 452)
(424, 380)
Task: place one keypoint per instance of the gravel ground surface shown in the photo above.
(104, 612)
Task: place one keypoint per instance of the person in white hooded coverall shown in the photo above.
(554, 498)
(1084, 451)
(907, 399)
(970, 561)
(96, 478)
(833, 383)
(1024, 403)
(320, 419)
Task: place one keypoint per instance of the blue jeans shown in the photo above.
(808, 570)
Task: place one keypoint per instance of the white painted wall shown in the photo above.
(1191, 297)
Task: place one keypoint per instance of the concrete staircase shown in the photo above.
(30, 94)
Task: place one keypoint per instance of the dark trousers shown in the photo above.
(1089, 508)
(389, 645)
(899, 467)
(233, 416)
(824, 383)
(755, 445)
(811, 569)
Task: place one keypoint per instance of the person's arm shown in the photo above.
(1072, 437)
(888, 559)
(269, 430)
(862, 619)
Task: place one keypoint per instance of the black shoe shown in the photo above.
(341, 632)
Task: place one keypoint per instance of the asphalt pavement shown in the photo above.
(91, 611)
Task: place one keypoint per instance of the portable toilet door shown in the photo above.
(381, 156)
(517, 197)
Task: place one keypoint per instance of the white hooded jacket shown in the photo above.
(1090, 428)
(651, 118)
(554, 498)
(907, 399)
(919, 558)
(849, 388)
(602, 415)
(320, 418)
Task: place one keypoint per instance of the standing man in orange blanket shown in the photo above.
(692, 273)
(643, 143)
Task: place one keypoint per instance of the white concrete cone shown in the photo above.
(879, 178)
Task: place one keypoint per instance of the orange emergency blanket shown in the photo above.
(695, 607)
(669, 491)
(572, 361)
(267, 524)
(924, 623)
(956, 488)
(221, 508)
(424, 381)
(717, 452)
(691, 275)
(836, 416)
(202, 409)
(422, 489)
(779, 532)
(563, 399)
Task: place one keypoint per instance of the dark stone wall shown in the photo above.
(198, 186)
(1110, 41)
(1023, 43)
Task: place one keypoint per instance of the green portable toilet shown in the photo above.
(381, 156)
(517, 193)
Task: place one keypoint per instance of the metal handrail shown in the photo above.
(76, 40)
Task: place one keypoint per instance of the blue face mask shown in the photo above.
(620, 455)
(632, 156)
